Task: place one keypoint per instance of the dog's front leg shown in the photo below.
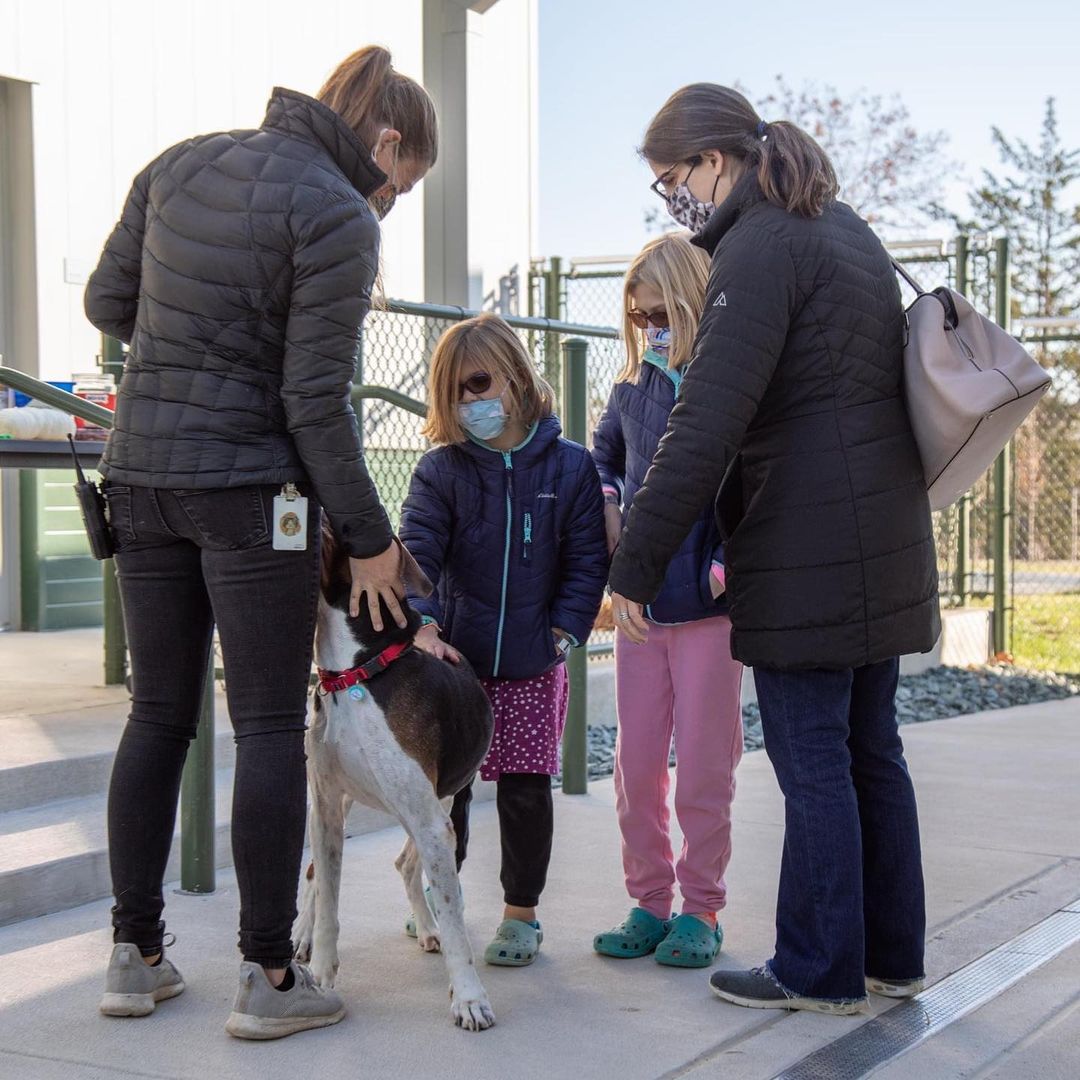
(327, 840)
(434, 838)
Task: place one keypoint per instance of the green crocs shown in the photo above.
(690, 943)
(637, 935)
(515, 944)
(410, 922)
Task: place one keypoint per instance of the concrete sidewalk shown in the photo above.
(1000, 804)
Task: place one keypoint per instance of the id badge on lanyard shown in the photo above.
(290, 520)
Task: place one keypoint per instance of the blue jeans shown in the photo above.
(851, 898)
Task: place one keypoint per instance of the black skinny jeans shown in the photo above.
(526, 826)
(187, 560)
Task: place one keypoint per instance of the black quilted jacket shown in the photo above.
(792, 408)
(239, 274)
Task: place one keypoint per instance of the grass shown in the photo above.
(1046, 631)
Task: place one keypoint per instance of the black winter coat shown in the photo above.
(792, 410)
(239, 275)
(514, 543)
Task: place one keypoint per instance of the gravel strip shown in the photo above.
(930, 695)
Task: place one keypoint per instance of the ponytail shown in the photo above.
(368, 94)
(792, 169)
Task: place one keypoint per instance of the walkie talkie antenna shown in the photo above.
(78, 464)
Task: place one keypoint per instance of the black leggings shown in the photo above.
(187, 560)
(526, 825)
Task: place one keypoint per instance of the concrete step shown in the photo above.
(55, 856)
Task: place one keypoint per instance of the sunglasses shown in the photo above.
(479, 382)
(642, 320)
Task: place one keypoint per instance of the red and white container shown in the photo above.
(100, 388)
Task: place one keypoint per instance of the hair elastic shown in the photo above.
(762, 129)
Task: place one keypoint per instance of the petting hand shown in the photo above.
(427, 638)
(630, 619)
(612, 526)
(379, 578)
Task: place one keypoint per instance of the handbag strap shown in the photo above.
(919, 290)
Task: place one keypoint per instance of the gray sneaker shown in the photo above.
(758, 988)
(133, 987)
(895, 988)
(261, 1011)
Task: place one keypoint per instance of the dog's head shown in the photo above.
(336, 584)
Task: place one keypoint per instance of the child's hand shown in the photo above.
(427, 638)
(612, 526)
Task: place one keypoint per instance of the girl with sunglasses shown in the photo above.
(683, 679)
(506, 519)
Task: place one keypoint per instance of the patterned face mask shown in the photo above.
(659, 339)
(687, 210)
(383, 204)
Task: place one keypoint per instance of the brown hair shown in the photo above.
(368, 94)
(679, 271)
(490, 340)
(792, 170)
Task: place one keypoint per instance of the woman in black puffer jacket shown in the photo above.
(791, 419)
(239, 275)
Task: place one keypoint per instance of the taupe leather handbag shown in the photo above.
(969, 384)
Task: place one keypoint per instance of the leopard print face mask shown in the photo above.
(688, 211)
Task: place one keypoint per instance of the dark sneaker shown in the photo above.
(133, 987)
(895, 988)
(758, 989)
(261, 1011)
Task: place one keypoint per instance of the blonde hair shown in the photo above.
(679, 271)
(368, 94)
(489, 340)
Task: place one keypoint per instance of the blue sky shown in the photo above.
(607, 65)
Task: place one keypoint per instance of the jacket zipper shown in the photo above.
(526, 547)
(506, 558)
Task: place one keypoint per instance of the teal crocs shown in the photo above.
(690, 943)
(515, 944)
(637, 935)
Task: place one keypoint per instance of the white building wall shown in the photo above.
(117, 81)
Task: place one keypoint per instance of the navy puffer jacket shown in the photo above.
(514, 544)
(239, 275)
(624, 444)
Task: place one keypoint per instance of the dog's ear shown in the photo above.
(335, 564)
(416, 581)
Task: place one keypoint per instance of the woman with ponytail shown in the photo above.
(790, 419)
(239, 276)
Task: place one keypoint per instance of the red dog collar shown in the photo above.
(332, 681)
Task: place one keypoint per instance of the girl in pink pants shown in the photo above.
(683, 681)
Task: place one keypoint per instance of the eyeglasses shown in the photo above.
(479, 382)
(642, 319)
(660, 185)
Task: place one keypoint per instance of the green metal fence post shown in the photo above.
(197, 872)
(112, 357)
(114, 634)
(575, 417)
(552, 310)
(962, 584)
(1003, 508)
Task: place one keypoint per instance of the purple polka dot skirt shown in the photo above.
(529, 718)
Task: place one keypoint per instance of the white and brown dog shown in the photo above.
(396, 729)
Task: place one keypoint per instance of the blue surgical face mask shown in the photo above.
(485, 419)
(659, 339)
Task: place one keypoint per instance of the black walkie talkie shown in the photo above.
(92, 506)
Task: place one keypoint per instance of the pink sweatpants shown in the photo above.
(683, 679)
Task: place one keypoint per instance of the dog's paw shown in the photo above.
(302, 952)
(474, 1014)
(324, 971)
(430, 941)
